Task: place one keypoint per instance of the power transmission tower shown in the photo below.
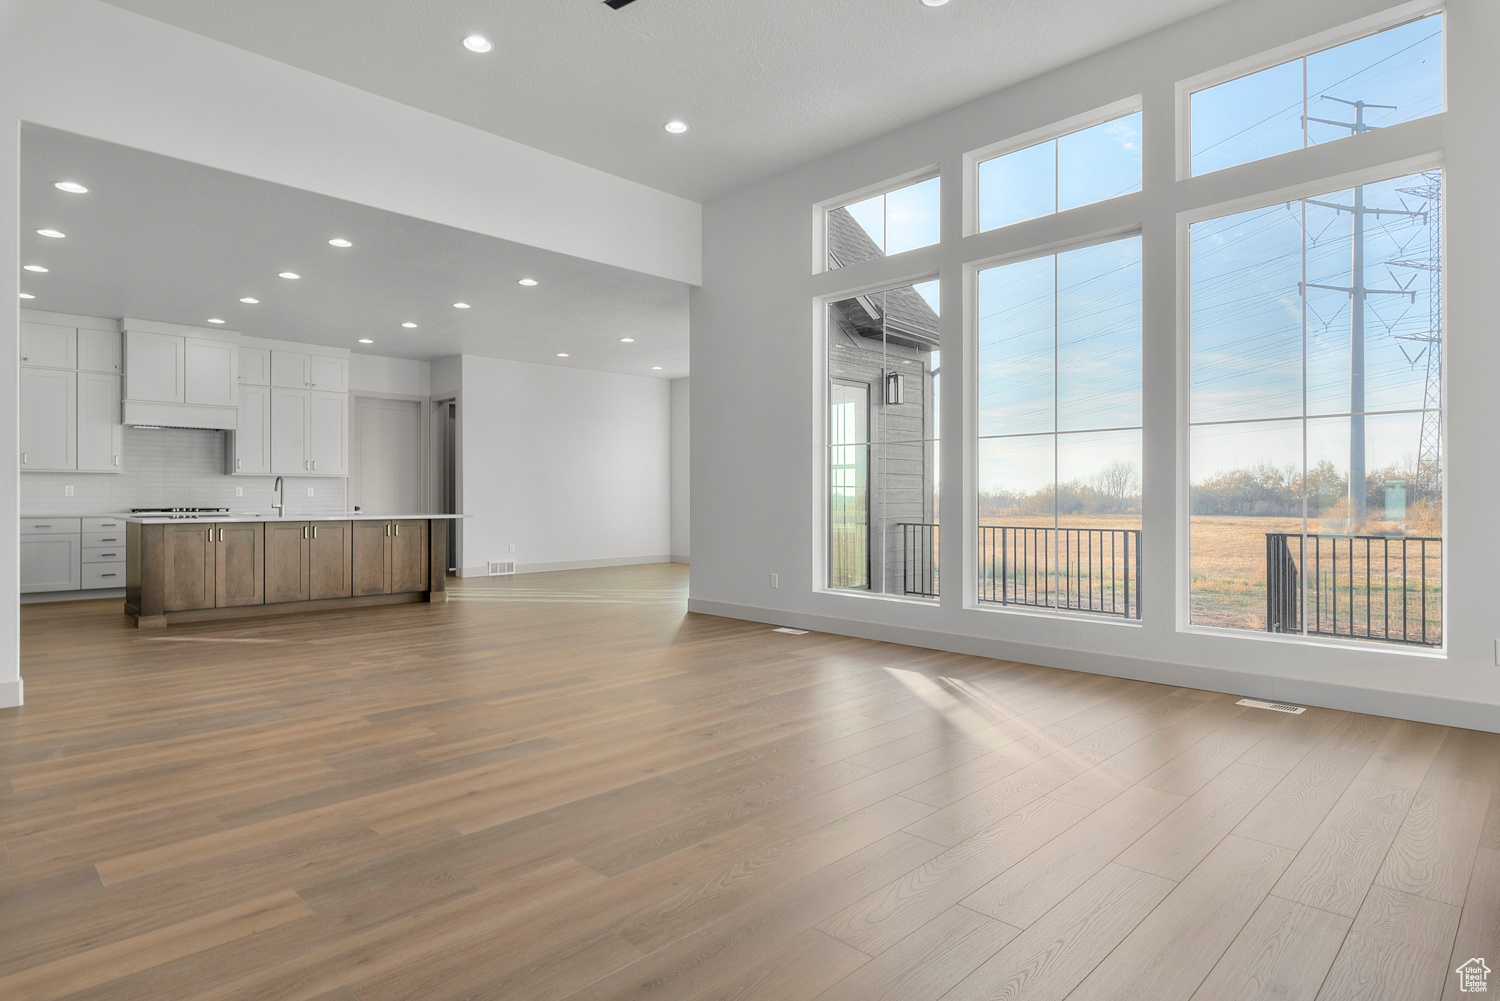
(1430, 446)
(1358, 292)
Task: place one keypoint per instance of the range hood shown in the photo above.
(179, 376)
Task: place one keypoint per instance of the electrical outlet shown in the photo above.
(239, 491)
(68, 491)
(309, 491)
(776, 580)
(512, 547)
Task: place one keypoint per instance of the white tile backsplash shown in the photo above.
(173, 467)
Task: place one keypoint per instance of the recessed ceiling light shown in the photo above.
(409, 326)
(249, 300)
(478, 43)
(71, 187)
(27, 295)
(37, 268)
(562, 354)
(460, 305)
(656, 368)
(289, 274)
(528, 282)
(627, 340)
(55, 234)
(215, 320)
(339, 241)
(365, 340)
(675, 127)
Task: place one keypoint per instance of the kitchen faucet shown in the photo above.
(280, 504)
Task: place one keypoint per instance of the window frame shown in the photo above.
(1182, 516)
(823, 474)
(1309, 45)
(1047, 133)
(972, 437)
(883, 187)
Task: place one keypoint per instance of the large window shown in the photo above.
(1392, 76)
(1059, 424)
(883, 381)
(1317, 419)
(1086, 166)
(889, 223)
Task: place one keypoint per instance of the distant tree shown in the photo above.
(1117, 485)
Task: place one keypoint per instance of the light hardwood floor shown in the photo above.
(562, 786)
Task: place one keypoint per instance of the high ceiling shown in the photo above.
(764, 85)
(162, 239)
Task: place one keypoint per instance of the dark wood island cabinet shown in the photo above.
(194, 571)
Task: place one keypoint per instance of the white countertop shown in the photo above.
(243, 516)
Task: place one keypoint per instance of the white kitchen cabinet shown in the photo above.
(328, 433)
(99, 351)
(252, 440)
(45, 345)
(291, 369)
(50, 562)
(212, 372)
(154, 366)
(304, 370)
(49, 419)
(255, 366)
(328, 374)
(289, 453)
(101, 439)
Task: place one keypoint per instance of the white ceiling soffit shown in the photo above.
(764, 85)
(179, 242)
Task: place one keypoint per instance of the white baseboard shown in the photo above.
(12, 693)
(675, 558)
(43, 597)
(1376, 702)
(618, 561)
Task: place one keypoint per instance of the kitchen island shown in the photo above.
(198, 569)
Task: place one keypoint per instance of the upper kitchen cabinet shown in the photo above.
(101, 437)
(46, 345)
(252, 439)
(305, 370)
(255, 366)
(99, 351)
(177, 376)
(49, 419)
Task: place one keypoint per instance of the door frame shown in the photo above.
(425, 496)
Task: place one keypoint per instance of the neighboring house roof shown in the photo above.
(900, 314)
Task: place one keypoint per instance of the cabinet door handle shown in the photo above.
(117, 460)
(304, 531)
(239, 463)
(396, 528)
(315, 465)
(49, 526)
(25, 458)
(106, 575)
(101, 540)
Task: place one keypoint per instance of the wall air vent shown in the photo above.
(505, 568)
(1280, 707)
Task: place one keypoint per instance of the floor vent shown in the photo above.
(1280, 707)
(502, 569)
(790, 631)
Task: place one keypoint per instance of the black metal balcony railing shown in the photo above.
(1358, 587)
(919, 559)
(1094, 570)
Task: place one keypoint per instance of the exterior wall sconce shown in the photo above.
(895, 389)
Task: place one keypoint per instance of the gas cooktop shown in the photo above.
(179, 512)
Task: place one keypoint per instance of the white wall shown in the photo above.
(681, 473)
(757, 453)
(571, 466)
(389, 376)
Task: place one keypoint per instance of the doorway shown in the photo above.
(385, 455)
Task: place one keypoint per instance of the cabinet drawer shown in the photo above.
(104, 524)
(94, 540)
(103, 554)
(53, 526)
(103, 575)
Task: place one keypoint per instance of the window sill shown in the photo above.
(1321, 642)
(1053, 615)
(876, 596)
